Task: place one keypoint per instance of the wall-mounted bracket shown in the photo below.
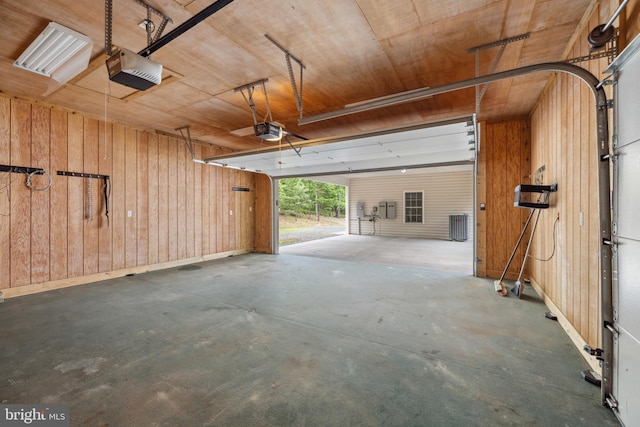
(21, 169)
(611, 402)
(83, 175)
(187, 139)
(298, 149)
(608, 50)
(189, 143)
(30, 172)
(106, 189)
(149, 26)
(611, 328)
(297, 87)
(503, 44)
(247, 91)
(597, 352)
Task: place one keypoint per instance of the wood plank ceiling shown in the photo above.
(353, 50)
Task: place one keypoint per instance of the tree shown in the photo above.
(294, 196)
(302, 196)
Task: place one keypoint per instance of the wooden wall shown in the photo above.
(164, 209)
(503, 163)
(263, 239)
(564, 139)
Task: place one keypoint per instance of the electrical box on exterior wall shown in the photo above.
(360, 209)
(391, 210)
(382, 209)
(387, 210)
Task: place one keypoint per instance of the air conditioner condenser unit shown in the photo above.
(133, 70)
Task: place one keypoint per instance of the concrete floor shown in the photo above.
(276, 340)
(396, 251)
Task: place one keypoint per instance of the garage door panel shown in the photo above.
(626, 283)
(629, 102)
(629, 296)
(628, 207)
(628, 377)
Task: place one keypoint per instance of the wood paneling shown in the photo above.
(353, 50)
(130, 196)
(567, 145)
(118, 198)
(197, 203)
(222, 208)
(173, 228)
(179, 209)
(142, 198)
(244, 202)
(40, 145)
(75, 196)
(504, 162)
(263, 214)
(153, 200)
(58, 244)
(215, 227)
(205, 202)
(163, 198)
(182, 200)
(20, 196)
(189, 203)
(5, 193)
(481, 220)
(105, 155)
(92, 198)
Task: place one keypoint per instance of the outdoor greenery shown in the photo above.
(300, 197)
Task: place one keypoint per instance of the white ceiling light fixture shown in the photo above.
(52, 48)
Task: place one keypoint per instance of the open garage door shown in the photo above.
(377, 229)
(401, 152)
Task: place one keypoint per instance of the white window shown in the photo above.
(413, 209)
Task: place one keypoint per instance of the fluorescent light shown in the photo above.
(52, 48)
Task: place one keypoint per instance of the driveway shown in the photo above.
(299, 235)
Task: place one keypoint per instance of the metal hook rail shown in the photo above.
(106, 188)
(83, 175)
(21, 169)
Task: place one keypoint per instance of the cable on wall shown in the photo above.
(555, 238)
